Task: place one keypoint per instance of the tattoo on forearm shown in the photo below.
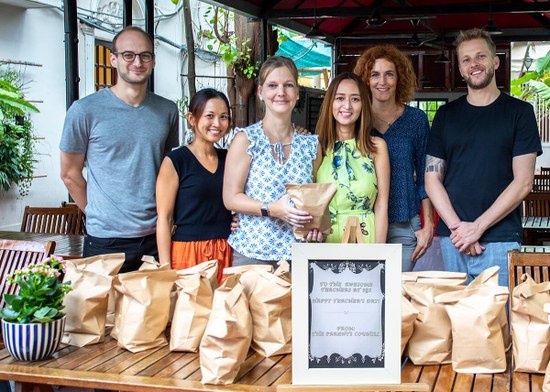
(435, 165)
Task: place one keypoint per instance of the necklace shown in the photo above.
(278, 148)
(389, 123)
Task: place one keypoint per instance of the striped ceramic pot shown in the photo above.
(33, 342)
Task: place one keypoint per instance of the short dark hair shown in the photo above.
(201, 97)
(476, 33)
(137, 30)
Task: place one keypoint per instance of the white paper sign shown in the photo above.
(346, 308)
(346, 314)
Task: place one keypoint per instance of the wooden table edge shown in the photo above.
(87, 379)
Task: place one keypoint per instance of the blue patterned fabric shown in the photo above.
(267, 238)
(407, 139)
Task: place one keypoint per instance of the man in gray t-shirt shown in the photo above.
(122, 134)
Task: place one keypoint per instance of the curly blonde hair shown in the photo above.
(406, 78)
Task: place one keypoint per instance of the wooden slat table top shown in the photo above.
(65, 244)
(536, 222)
(108, 366)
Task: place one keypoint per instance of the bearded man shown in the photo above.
(480, 164)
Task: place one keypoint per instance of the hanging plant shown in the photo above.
(16, 135)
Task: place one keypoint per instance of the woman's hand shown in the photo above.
(283, 210)
(315, 236)
(235, 223)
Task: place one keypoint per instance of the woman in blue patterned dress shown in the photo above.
(391, 80)
(357, 162)
(263, 157)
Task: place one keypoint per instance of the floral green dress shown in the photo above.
(357, 188)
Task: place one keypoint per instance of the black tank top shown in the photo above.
(199, 213)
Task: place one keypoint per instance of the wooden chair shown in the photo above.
(536, 264)
(545, 170)
(82, 215)
(15, 255)
(541, 183)
(53, 220)
(536, 204)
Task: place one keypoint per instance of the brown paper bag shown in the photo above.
(490, 277)
(315, 199)
(149, 263)
(82, 298)
(478, 345)
(408, 316)
(195, 291)
(546, 383)
(226, 340)
(437, 277)
(283, 270)
(270, 300)
(431, 341)
(241, 269)
(434, 277)
(530, 326)
(85, 305)
(142, 308)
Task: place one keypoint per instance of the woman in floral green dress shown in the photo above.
(356, 161)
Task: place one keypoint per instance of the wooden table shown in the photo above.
(108, 366)
(65, 245)
(535, 229)
(441, 378)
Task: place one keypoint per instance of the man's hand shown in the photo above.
(465, 237)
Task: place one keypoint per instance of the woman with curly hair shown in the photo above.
(391, 80)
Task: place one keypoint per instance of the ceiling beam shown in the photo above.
(426, 10)
(509, 35)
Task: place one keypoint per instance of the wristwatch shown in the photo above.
(265, 209)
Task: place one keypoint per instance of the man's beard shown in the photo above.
(484, 83)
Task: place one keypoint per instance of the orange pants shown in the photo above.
(189, 254)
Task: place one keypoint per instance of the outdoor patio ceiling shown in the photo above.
(419, 22)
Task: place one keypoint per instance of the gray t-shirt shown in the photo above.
(124, 147)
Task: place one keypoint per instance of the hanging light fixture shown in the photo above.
(314, 32)
(376, 19)
(442, 58)
(491, 26)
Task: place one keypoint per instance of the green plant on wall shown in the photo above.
(234, 54)
(535, 83)
(16, 135)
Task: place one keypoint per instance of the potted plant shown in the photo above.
(33, 320)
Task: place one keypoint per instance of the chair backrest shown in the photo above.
(545, 170)
(53, 220)
(536, 204)
(15, 255)
(541, 183)
(536, 264)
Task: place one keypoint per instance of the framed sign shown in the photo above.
(346, 314)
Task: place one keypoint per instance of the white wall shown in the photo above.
(37, 35)
(23, 37)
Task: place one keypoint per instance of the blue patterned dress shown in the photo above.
(357, 188)
(267, 238)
